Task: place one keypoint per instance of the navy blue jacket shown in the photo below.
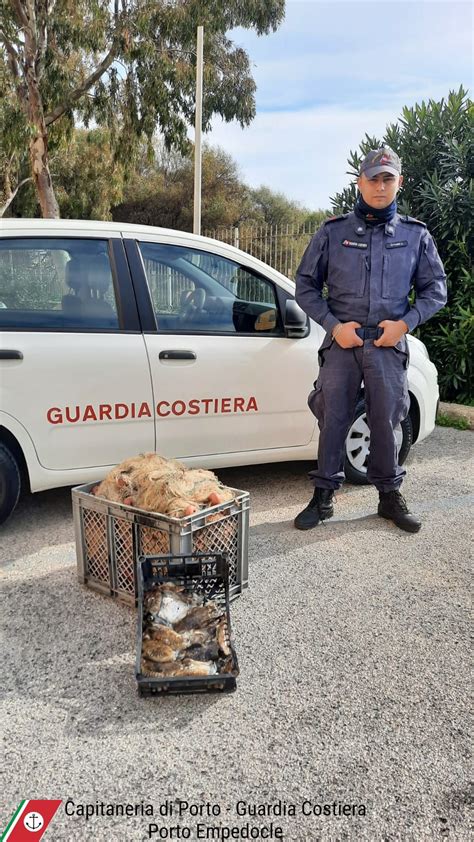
(369, 272)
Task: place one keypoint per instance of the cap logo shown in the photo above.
(381, 158)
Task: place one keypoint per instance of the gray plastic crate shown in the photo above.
(110, 538)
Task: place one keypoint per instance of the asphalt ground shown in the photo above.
(353, 648)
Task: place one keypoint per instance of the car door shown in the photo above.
(74, 366)
(226, 378)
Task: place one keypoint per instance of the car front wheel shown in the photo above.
(10, 483)
(358, 445)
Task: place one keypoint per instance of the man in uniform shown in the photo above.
(369, 259)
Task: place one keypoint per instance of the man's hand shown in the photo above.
(392, 333)
(346, 336)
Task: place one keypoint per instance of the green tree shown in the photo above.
(127, 65)
(12, 178)
(272, 208)
(316, 218)
(87, 179)
(278, 229)
(161, 192)
(434, 141)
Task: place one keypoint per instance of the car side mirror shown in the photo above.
(296, 321)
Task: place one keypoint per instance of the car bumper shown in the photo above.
(426, 392)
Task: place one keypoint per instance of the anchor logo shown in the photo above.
(32, 816)
(33, 822)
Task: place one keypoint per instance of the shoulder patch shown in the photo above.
(412, 219)
(335, 218)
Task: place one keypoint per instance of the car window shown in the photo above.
(55, 283)
(194, 290)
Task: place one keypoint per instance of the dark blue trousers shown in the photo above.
(333, 401)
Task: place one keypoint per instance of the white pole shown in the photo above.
(198, 132)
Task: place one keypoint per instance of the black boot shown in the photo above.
(393, 507)
(319, 508)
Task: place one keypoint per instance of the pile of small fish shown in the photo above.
(184, 634)
(151, 482)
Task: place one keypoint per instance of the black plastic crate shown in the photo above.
(201, 574)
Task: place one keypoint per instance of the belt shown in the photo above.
(369, 332)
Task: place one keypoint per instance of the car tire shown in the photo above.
(10, 483)
(358, 445)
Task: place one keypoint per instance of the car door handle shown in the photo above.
(11, 355)
(177, 355)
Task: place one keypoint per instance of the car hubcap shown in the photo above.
(358, 443)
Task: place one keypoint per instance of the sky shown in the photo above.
(334, 71)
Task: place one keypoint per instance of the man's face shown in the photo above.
(379, 191)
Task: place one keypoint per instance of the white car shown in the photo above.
(119, 339)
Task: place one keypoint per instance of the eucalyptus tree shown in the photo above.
(128, 65)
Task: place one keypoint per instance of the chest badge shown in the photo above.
(353, 245)
(398, 245)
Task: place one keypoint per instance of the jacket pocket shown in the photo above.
(364, 271)
(397, 270)
(325, 345)
(386, 277)
(403, 350)
(315, 399)
(347, 273)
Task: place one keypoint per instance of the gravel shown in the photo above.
(353, 648)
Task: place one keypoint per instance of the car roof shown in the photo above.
(96, 225)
